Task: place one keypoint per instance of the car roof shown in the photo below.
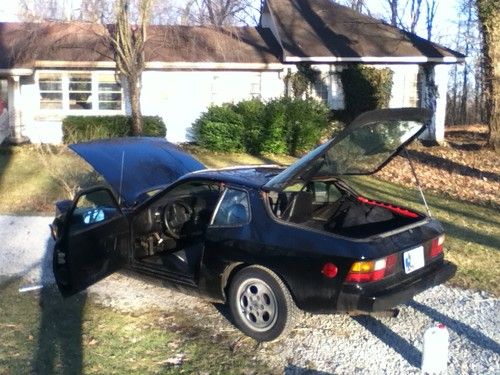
(251, 176)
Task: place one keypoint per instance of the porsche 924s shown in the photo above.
(264, 239)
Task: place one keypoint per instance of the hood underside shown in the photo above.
(136, 165)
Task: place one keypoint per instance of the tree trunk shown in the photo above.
(489, 17)
(134, 91)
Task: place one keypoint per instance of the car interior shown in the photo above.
(333, 207)
(168, 233)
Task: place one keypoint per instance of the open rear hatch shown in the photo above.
(362, 148)
(324, 201)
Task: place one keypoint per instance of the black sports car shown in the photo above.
(263, 239)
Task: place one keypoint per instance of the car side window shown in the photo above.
(234, 209)
(93, 207)
(325, 192)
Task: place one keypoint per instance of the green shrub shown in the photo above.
(86, 128)
(273, 132)
(365, 89)
(252, 114)
(220, 129)
(306, 122)
(283, 125)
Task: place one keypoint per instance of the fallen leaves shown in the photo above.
(463, 169)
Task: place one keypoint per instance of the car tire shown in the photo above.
(261, 304)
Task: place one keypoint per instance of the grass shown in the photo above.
(28, 185)
(40, 333)
(473, 232)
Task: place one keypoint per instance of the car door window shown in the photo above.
(92, 208)
(324, 192)
(234, 209)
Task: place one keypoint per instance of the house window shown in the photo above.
(255, 87)
(329, 90)
(411, 89)
(110, 93)
(215, 96)
(320, 88)
(80, 91)
(337, 100)
(51, 91)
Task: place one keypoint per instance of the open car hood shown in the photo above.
(363, 147)
(148, 163)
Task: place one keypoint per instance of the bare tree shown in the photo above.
(218, 12)
(44, 10)
(465, 81)
(414, 14)
(97, 11)
(398, 13)
(394, 7)
(430, 13)
(489, 20)
(128, 42)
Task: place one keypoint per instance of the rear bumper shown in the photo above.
(388, 298)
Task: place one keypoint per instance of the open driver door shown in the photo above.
(94, 242)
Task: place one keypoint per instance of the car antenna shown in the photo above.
(417, 182)
(121, 178)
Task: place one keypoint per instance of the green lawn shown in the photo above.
(40, 333)
(30, 182)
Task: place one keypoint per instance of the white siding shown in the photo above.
(180, 97)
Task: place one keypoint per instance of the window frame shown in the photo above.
(41, 91)
(72, 91)
(65, 90)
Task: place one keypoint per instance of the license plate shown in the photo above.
(413, 259)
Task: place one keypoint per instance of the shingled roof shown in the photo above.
(322, 31)
(305, 30)
(26, 45)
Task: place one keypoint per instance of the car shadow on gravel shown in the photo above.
(460, 328)
(400, 345)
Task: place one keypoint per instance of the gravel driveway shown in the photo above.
(321, 344)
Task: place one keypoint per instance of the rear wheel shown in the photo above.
(261, 304)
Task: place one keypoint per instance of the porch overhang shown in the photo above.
(15, 72)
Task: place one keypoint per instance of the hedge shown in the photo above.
(85, 128)
(283, 125)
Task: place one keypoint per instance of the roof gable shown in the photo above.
(321, 31)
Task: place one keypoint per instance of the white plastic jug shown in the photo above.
(435, 354)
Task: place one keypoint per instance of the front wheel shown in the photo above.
(261, 304)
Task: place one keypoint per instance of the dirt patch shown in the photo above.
(463, 168)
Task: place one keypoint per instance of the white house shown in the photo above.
(57, 69)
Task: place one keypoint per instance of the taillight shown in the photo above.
(371, 270)
(436, 246)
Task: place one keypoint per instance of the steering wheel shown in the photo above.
(175, 215)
